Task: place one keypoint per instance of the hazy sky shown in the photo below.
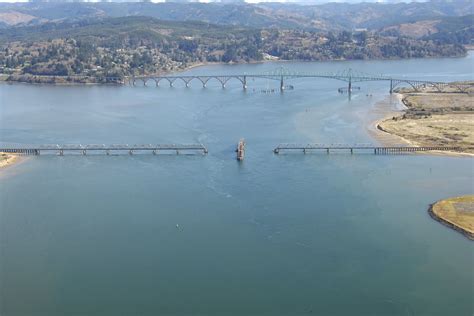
(256, 1)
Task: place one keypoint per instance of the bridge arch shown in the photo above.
(157, 81)
(186, 80)
(462, 88)
(397, 83)
(203, 80)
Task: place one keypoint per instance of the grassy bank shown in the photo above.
(457, 213)
(435, 119)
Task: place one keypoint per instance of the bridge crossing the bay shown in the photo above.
(282, 75)
(199, 148)
(103, 149)
(363, 148)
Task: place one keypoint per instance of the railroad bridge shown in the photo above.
(362, 148)
(103, 149)
(283, 74)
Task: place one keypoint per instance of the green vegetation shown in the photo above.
(118, 47)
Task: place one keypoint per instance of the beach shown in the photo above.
(7, 159)
(426, 119)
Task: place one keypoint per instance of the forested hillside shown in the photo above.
(118, 47)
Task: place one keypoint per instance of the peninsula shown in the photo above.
(432, 118)
(457, 213)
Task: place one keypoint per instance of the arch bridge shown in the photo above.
(282, 74)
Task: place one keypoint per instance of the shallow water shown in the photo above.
(286, 234)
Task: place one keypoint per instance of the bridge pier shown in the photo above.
(84, 152)
(244, 84)
(61, 152)
(391, 86)
(282, 84)
(349, 89)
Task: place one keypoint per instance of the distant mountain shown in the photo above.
(454, 30)
(459, 30)
(326, 17)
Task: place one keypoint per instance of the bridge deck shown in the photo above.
(352, 148)
(37, 149)
(281, 74)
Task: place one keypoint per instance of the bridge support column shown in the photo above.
(245, 83)
(391, 86)
(84, 152)
(349, 88)
(282, 84)
(61, 152)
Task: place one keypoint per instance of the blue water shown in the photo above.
(285, 234)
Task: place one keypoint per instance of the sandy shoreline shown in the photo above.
(385, 109)
(7, 159)
(392, 107)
